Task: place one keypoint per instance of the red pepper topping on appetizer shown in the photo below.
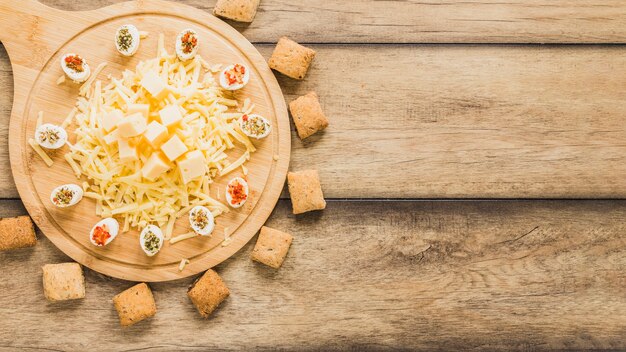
(75, 63)
(235, 74)
(237, 192)
(101, 234)
(189, 42)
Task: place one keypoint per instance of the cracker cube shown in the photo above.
(307, 115)
(63, 281)
(16, 233)
(135, 304)
(208, 292)
(305, 191)
(236, 10)
(272, 246)
(291, 58)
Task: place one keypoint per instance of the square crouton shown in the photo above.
(307, 115)
(63, 281)
(305, 191)
(271, 248)
(17, 232)
(291, 58)
(208, 292)
(135, 304)
(236, 10)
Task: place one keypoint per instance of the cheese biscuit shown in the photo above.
(291, 59)
(305, 191)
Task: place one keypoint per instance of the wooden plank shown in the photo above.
(7, 185)
(433, 21)
(460, 121)
(467, 121)
(416, 275)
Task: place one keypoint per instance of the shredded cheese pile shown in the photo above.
(209, 125)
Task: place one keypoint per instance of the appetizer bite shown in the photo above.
(63, 281)
(104, 232)
(234, 77)
(18, 232)
(237, 192)
(201, 220)
(75, 67)
(127, 40)
(271, 248)
(207, 292)
(66, 195)
(308, 115)
(291, 59)
(236, 10)
(135, 304)
(50, 136)
(305, 191)
(255, 126)
(187, 44)
(151, 240)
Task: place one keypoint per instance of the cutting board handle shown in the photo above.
(29, 30)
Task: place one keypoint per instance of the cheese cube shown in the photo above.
(111, 137)
(110, 120)
(155, 134)
(132, 125)
(154, 167)
(144, 109)
(192, 166)
(174, 148)
(170, 115)
(154, 85)
(127, 150)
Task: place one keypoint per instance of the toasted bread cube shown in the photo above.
(307, 115)
(236, 10)
(17, 232)
(272, 246)
(63, 281)
(208, 292)
(305, 191)
(291, 58)
(135, 304)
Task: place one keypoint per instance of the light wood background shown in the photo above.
(503, 121)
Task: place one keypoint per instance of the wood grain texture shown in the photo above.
(463, 121)
(417, 275)
(467, 121)
(433, 21)
(36, 90)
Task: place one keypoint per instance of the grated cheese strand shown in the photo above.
(183, 237)
(42, 154)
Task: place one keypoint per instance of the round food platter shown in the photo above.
(46, 35)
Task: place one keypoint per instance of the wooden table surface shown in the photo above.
(427, 100)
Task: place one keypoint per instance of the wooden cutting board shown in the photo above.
(36, 36)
